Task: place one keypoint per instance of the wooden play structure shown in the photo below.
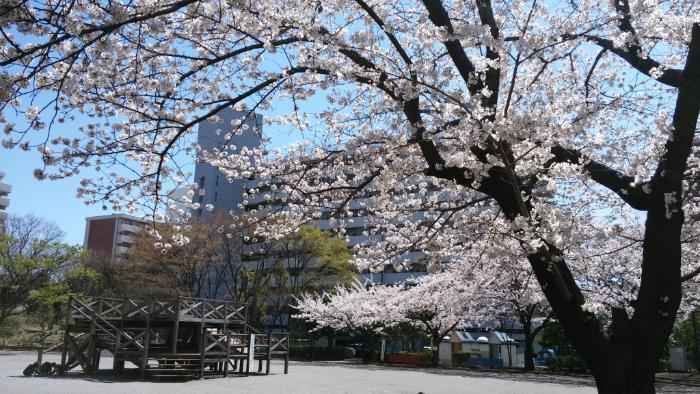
(181, 337)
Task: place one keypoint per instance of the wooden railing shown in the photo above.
(111, 309)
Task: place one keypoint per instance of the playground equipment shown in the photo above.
(182, 337)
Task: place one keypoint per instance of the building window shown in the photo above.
(201, 182)
(217, 180)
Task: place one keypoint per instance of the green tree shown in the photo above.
(224, 261)
(268, 274)
(308, 261)
(33, 262)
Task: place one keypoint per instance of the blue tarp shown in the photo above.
(485, 362)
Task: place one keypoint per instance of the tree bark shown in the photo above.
(435, 349)
(529, 339)
(368, 353)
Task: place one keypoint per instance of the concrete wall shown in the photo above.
(214, 188)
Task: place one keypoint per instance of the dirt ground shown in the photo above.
(304, 377)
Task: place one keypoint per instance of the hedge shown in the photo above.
(321, 353)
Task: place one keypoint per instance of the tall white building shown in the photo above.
(5, 190)
(234, 129)
(224, 196)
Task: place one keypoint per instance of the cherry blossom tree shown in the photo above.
(514, 296)
(553, 124)
(361, 311)
(437, 304)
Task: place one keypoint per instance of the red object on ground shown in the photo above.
(403, 358)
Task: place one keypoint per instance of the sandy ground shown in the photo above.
(304, 377)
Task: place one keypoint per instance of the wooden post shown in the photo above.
(146, 342)
(228, 353)
(118, 365)
(95, 349)
(269, 353)
(202, 343)
(286, 355)
(98, 353)
(260, 362)
(176, 326)
(91, 343)
(65, 338)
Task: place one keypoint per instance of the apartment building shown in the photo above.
(111, 236)
(5, 190)
(356, 230)
(235, 130)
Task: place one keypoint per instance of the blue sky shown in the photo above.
(54, 201)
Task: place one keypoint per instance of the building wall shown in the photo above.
(100, 236)
(357, 230)
(214, 188)
(111, 236)
(5, 190)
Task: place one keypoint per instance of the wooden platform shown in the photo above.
(186, 337)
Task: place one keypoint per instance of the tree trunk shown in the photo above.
(626, 360)
(435, 349)
(368, 352)
(529, 339)
(625, 374)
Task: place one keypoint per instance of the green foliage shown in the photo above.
(426, 357)
(332, 252)
(567, 364)
(683, 333)
(326, 258)
(553, 336)
(33, 270)
(318, 353)
(11, 326)
(463, 357)
(308, 261)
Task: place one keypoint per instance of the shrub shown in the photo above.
(320, 353)
(461, 357)
(10, 326)
(425, 357)
(567, 363)
(368, 356)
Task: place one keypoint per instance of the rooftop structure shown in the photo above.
(5, 190)
(111, 236)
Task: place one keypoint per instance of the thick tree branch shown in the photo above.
(438, 15)
(493, 74)
(690, 275)
(614, 181)
(670, 77)
(394, 41)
